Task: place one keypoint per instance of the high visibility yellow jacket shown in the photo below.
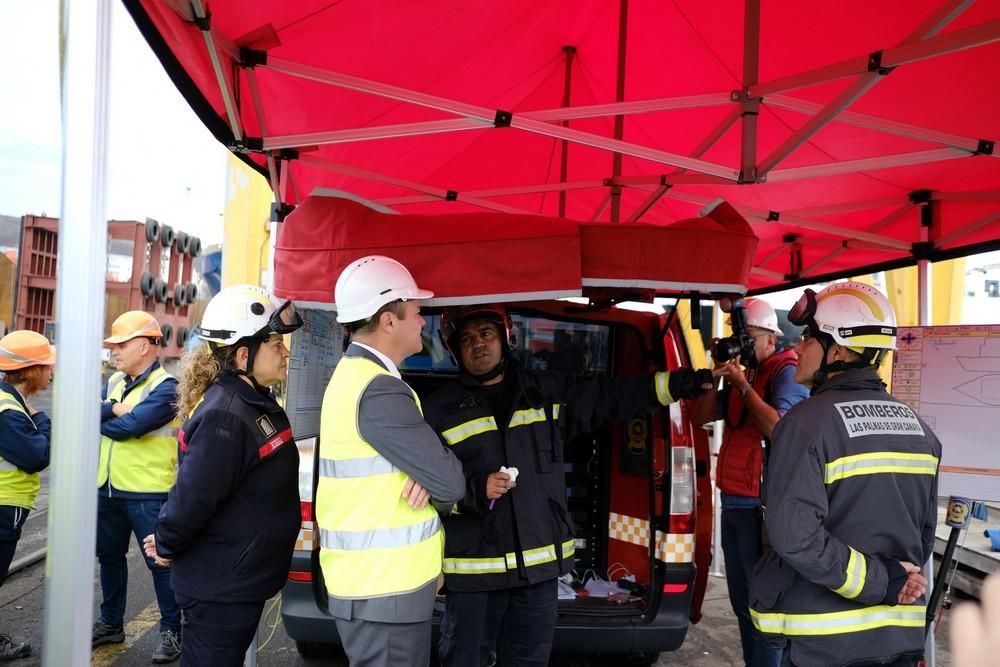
(18, 487)
(372, 543)
(143, 464)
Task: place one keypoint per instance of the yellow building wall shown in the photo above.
(246, 225)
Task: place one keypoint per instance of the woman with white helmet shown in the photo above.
(229, 525)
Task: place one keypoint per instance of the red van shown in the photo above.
(638, 491)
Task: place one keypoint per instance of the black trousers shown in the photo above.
(11, 520)
(513, 626)
(217, 634)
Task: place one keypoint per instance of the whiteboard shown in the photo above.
(951, 377)
(316, 348)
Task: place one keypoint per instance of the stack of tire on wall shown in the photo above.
(161, 280)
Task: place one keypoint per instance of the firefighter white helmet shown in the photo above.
(246, 311)
(853, 314)
(760, 314)
(369, 283)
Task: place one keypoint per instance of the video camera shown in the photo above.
(740, 344)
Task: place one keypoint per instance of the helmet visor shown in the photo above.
(804, 310)
(284, 320)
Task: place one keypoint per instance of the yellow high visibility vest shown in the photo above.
(372, 543)
(17, 487)
(140, 465)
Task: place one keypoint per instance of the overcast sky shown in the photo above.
(163, 163)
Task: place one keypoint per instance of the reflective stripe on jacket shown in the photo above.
(851, 486)
(525, 536)
(742, 455)
(372, 543)
(147, 463)
(17, 487)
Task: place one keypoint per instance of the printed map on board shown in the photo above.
(951, 377)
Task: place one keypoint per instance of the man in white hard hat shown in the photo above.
(380, 463)
(850, 497)
(754, 395)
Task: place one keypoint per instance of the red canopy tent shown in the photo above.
(853, 135)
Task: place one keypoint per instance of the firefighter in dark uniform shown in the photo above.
(850, 497)
(509, 539)
(229, 525)
(751, 402)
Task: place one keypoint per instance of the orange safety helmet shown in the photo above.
(133, 324)
(21, 349)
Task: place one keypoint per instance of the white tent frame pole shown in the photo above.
(399, 182)
(258, 105)
(849, 207)
(874, 229)
(767, 273)
(463, 124)
(985, 195)
(957, 40)
(681, 175)
(865, 164)
(83, 234)
(947, 13)
(518, 121)
(750, 106)
(802, 223)
(985, 221)
(498, 192)
(220, 76)
(817, 122)
(879, 124)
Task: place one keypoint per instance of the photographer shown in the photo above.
(758, 388)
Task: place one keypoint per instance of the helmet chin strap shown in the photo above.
(252, 346)
(822, 374)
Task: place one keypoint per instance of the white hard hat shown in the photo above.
(243, 311)
(369, 283)
(760, 314)
(853, 314)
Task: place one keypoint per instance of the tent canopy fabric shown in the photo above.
(851, 134)
(509, 257)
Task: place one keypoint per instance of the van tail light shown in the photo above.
(682, 493)
(306, 509)
(675, 589)
(304, 577)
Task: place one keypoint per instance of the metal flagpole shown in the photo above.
(69, 588)
(924, 316)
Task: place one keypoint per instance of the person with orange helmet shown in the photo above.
(26, 360)
(137, 467)
(755, 393)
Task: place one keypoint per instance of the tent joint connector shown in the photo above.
(747, 176)
(280, 211)
(503, 118)
(204, 23)
(775, 216)
(922, 250)
(287, 154)
(790, 238)
(250, 58)
(875, 64)
(985, 147)
(920, 197)
(664, 181)
(451, 195)
(248, 145)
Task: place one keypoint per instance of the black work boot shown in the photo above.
(11, 650)
(169, 647)
(107, 634)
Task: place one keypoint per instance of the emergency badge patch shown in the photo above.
(878, 418)
(265, 426)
